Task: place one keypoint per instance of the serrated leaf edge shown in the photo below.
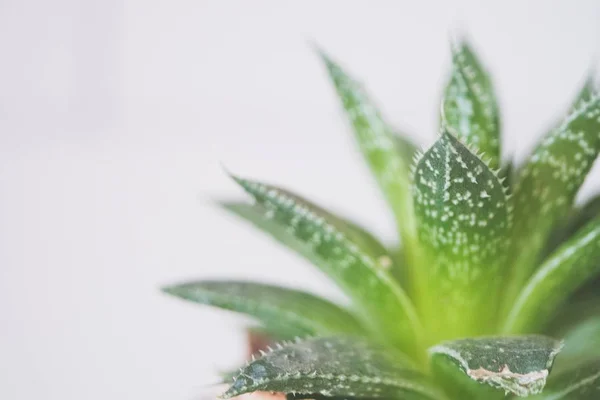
(508, 195)
(406, 385)
(371, 263)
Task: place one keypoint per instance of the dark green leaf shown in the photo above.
(581, 383)
(388, 155)
(548, 183)
(282, 311)
(560, 275)
(463, 222)
(379, 299)
(458, 385)
(470, 107)
(581, 306)
(582, 343)
(506, 175)
(576, 220)
(333, 367)
(514, 364)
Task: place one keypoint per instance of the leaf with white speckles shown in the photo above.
(282, 311)
(513, 364)
(571, 265)
(548, 183)
(463, 221)
(256, 217)
(470, 107)
(579, 383)
(379, 300)
(334, 367)
(388, 155)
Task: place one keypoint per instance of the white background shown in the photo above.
(116, 116)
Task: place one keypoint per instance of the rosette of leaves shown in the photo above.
(497, 264)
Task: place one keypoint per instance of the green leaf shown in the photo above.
(463, 222)
(282, 311)
(576, 220)
(582, 343)
(458, 385)
(560, 275)
(256, 216)
(587, 91)
(389, 156)
(581, 383)
(514, 364)
(548, 183)
(470, 107)
(581, 306)
(332, 367)
(506, 175)
(380, 301)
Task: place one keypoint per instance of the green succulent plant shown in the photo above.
(496, 262)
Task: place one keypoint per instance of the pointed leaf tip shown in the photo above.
(282, 311)
(463, 220)
(469, 105)
(388, 156)
(344, 256)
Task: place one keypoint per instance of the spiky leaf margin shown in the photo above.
(380, 301)
(332, 367)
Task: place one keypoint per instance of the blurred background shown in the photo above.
(115, 118)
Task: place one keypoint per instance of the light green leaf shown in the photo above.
(380, 301)
(463, 221)
(581, 383)
(514, 364)
(470, 107)
(282, 311)
(560, 275)
(332, 367)
(389, 156)
(587, 91)
(548, 183)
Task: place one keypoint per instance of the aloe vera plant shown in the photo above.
(497, 273)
